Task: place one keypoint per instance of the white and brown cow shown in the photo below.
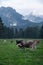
(27, 44)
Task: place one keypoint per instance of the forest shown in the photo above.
(29, 32)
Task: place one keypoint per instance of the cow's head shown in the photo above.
(36, 41)
(18, 41)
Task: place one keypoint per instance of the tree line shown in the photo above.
(29, 32)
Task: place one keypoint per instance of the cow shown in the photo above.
(4, 40)
(27, 44)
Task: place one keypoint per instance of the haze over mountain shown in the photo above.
(34, 18)
(11, 17)
(24, 7)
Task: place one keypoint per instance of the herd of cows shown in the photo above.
(32, 44)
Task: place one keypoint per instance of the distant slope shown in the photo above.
(34, 18)
(10, 16)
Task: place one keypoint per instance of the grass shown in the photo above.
(10, 54)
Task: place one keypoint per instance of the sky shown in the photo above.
(24, 7)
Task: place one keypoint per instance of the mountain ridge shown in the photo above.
(10, 16)
(34, 18)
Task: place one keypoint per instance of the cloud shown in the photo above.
(23, 6)
(41, 1)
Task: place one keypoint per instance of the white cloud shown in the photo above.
(23, 6)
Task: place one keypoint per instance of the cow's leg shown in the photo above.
(35, 46)
(31, 48)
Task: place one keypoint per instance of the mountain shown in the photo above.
(9, 15)
(12, 18)
(34, 18)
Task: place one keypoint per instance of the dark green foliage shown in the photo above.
(20, 33)
(1, 29)
(5, 32)
(29, 32)
(41, 32)
(16, 33)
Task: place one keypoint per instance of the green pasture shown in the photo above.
(11, 54)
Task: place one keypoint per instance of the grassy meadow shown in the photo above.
(10, 54)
